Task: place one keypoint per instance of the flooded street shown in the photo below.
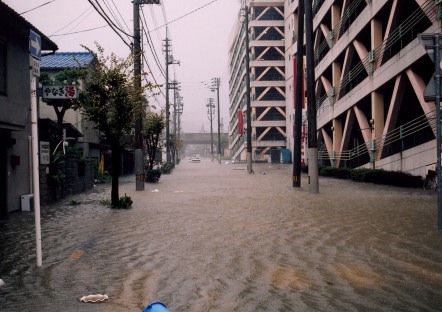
(211, 237)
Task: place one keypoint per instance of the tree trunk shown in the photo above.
(116, 155)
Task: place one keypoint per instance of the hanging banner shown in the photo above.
(240, 122)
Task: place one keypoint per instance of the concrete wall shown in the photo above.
(413, 161)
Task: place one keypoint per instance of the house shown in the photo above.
(15, 105)
(72, 118)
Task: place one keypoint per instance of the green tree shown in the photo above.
(153, 127)
(110, 100)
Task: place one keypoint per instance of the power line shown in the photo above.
(119, 13)
(80, 31)
(37, 7)
(105, 16)
(151, 46)
(181, 17)
(154, 19)
(84, 17)
(114, 16)
(110, 23)
(81, 14)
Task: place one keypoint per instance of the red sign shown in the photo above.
(240, 122)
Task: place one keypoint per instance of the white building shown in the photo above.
(267, 82)
(371, 72)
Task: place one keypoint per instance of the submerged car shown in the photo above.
(195, 159)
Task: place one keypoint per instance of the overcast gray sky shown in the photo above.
(199, 30)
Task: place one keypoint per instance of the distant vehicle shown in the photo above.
(195, 159)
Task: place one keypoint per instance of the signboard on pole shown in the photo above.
(45, 153)
(34, 44)
(60, 92)
(35, 52)
(35, 66)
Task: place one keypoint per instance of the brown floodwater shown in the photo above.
(212, 237)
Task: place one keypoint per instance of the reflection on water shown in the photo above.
(215, 238)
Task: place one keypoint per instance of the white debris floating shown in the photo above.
(2, 283)
(94, 298)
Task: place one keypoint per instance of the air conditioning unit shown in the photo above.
(27, 202)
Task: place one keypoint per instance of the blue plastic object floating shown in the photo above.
(156, 307)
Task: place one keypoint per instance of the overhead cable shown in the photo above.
(151, 46)
(111, 24)
(181, 17)
(36, 7)
(80, 31)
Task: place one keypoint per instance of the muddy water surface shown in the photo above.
(211, 237)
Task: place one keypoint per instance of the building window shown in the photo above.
(2, 67)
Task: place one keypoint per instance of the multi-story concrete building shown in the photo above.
(371, 71)
(267, 76)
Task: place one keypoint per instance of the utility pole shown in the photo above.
(179, 111)
(167, 100)
(311, 102)
(169, 61)
(175, 87)
(299, 97)
(215, 86)
(249, 113)
(139, 159)
(210, 112)
(139, 181)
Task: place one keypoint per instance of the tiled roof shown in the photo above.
(66, 60)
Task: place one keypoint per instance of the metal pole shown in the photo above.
(167, 102)
(174, 122)
(180, 110)
(437, 73)
(249, 113)
(210, 113)
(35, 168)
(299, 96)
(139, 170)
(218, 81)
(311, 102)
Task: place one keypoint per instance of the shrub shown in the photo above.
(379, 176)
(340, 173)
(152, 175)
(167, 168)
(125, 202)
